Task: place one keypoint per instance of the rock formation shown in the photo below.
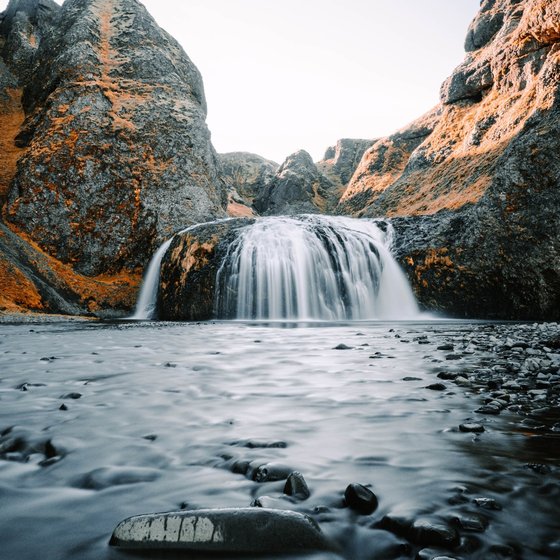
(104, 146)
(245, 175)
(189, 269)
(483, 171)
(297, 188)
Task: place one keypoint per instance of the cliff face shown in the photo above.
(246, 175)
(115, 142)
(483, 171)
(104, 150)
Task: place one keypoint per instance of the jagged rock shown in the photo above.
(189, 268)
(116, 145)
(483, 177)
(245, 175)
(340, 161)
(297, 188)
(244, 530)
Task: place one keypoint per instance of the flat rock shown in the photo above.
(243, 530)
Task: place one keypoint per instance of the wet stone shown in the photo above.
(342, 347)
(410, 378)
(453, 357)
(488, 503)
(296, 486)
(430, 532)
(436, 387)
(230, 530)
(272, 472)
(360, 499)
(471, 427)
(433, 554)
(447, 375)
(447, 347)
(74, 396)
(488, 409)
(471, 522)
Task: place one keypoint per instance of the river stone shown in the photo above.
(471, 427)
(360, 499)
(430, 532)
(243, 530)
(296, 486)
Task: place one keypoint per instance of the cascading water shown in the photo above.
(313, 268)
(147, 300)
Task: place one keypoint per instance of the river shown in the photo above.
(101, 421)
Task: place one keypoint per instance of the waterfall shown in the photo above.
(147, 300)
(313, 267)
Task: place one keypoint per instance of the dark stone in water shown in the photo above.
(423, 531)
(488, 409)
(408, 378)
(63, 407)
(360, 499)
(538, 468)
(447, 347)
(447, 375)
(476, 428)
(471, 522)
(74, 396)
(272, 472)
(342, 347)
(487, 503)
(250, 444)
(436, 387)
(453, 357)
(429, 532)
(244, 530)
(296, 486)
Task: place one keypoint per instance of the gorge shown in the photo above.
(350, 359)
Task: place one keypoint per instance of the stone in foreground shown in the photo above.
(234, 530)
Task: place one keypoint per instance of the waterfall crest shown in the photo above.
(313, 267)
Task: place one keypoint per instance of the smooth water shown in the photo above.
(157, 413)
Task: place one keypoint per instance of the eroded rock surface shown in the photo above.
(246, 175)
(297, 188)
(116, 145)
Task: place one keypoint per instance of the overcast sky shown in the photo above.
(281, 75)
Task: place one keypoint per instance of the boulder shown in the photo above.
(234, 531)
(189, 268)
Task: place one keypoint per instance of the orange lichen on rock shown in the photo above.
(192, 254)
(112, 291)
(11, 119)
(18, 292)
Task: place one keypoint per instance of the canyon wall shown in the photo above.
(105, 150)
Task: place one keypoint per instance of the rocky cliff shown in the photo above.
(105, 150)
(246, 175)
(482, 169)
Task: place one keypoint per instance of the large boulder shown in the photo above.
(483, 174)
(117, 153)
(189, 269)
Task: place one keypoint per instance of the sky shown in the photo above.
(284, 75)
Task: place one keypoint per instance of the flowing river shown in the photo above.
(104, 421)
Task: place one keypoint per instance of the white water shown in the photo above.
(313, 268)
(147, 300)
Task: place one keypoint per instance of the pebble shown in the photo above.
(360, 499)
(436, 387)
(296, 486)
(488, 503)
(471, 427)
(342, 347)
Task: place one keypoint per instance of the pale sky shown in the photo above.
(281, 75)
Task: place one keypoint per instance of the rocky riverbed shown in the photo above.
(416, 440)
